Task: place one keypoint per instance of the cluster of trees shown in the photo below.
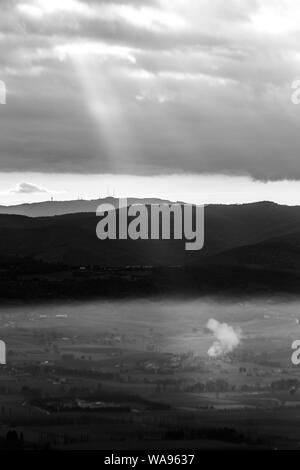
(285, 384)
(218, 386)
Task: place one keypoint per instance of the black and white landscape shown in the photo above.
(122, 344)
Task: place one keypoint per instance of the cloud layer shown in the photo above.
(150, 87)
(27, 188)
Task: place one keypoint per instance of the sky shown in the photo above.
(184, 99)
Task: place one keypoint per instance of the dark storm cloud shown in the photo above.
(148, 87)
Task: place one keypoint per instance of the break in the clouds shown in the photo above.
(150, 87)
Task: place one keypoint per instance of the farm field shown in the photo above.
(137, 374)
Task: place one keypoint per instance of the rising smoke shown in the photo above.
(227, 338)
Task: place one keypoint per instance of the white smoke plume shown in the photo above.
(227, 338)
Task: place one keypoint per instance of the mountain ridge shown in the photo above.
(53, 208)
(71, 238)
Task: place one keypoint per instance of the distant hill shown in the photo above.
(278, 253)
(52, 208)
(261, 233)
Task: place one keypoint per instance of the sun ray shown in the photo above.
(94, 65)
